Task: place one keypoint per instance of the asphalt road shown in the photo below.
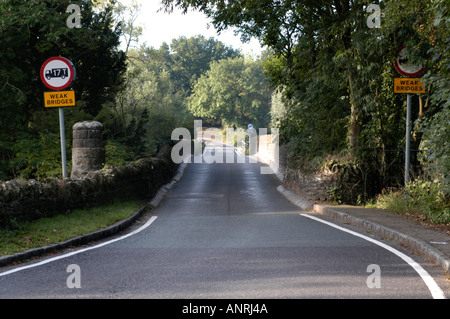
(222, 232)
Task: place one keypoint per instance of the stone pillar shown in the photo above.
(88, 152)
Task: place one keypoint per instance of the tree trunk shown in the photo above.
(355, 126)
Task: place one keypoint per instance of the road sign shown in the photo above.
(408, 85)
(59, 99)
(402, 66)
(57, 73)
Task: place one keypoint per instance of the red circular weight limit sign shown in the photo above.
(402, 67)
(57, 73)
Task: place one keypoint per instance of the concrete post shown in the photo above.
(88, 152)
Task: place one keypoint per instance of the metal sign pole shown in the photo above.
(58, 73)
(410, 85)
(63, 141)
(408, 137)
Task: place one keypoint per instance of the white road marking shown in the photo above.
(436, 292)
(148, 223)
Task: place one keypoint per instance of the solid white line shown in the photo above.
(148, 223)
(436, 292)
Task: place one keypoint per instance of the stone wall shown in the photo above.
(313, 187)
(24, 201)
(341, 183)
(336, 182)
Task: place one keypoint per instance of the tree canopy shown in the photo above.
(234, 91)
(191, 57)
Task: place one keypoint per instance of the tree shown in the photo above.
(434, 32)
(281, 24)
(190, 58)
(149, 109)
(154, 101)
(125, 17)
(234, 91)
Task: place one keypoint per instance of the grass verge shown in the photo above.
(47, 231)
(421, 198)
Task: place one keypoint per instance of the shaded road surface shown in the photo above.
(225, 232)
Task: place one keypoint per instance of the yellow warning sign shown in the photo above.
(408, 85)
(59, 98)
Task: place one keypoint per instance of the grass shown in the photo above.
(47, 231)
(422, 199)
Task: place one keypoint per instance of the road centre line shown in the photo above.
(147, 224)
(436, 292)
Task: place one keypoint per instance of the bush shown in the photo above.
(419, 197)
(39, 157)
(117, 154)
(430, 199)
(437, 141)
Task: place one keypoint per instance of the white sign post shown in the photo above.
(57, 74)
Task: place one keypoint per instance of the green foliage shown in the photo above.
(277, 108)
(420, 198)
(429, 198)
(437, 141)
(154, 103)
(191, 57)
(40, 157)
(436, 128)
(234, 91)
(117, 154)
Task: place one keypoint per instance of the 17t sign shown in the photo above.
(57, 73)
